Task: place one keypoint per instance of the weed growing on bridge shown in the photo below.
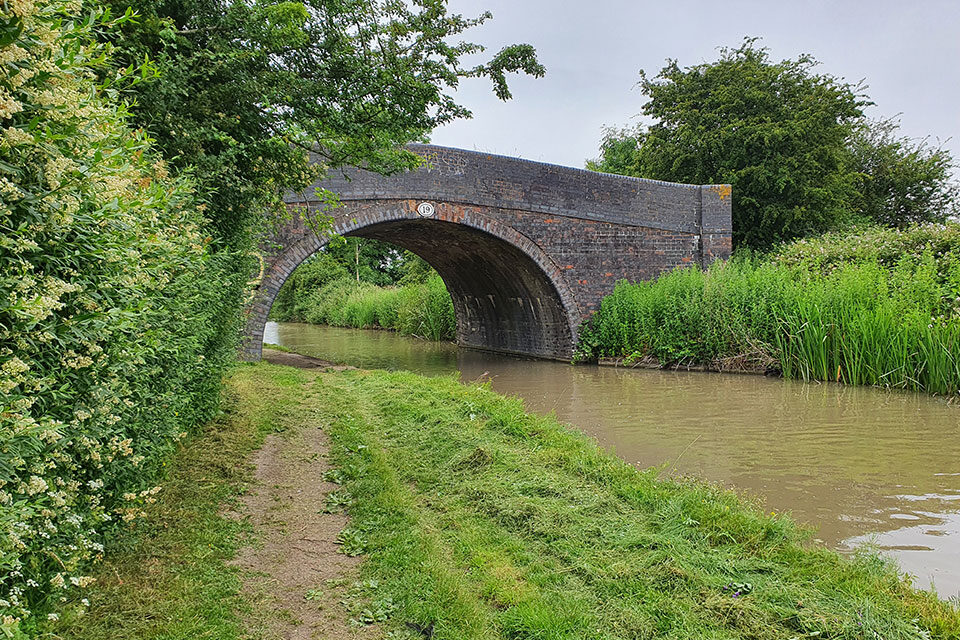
(881, 308)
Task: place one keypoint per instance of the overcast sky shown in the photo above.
(908, 53)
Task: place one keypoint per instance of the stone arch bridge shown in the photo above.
(527, 250)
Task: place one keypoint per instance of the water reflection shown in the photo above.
(860, 464)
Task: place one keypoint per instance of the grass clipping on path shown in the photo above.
(478, 520)
(482, 521)
(169, 578)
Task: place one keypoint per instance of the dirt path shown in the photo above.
(300, 361)
(294, 572)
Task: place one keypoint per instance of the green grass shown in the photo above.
(482, 521)
(478, 520)
(168, 578)
(422, 309)
(882, 309)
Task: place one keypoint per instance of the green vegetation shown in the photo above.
(120, 299)
(421, 309)
(109, 296)
(168, 576)
(360, 259)
(246, 89)
(860, 305)
(138, 154)
(375, 261)
(900, 181)
(478, 520)
(368, 284)
(482, 521)
(879, 308)
(795, 145)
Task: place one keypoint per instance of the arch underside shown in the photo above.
(504, 301)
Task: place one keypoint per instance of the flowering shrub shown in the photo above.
(108, 296)
(922, 261)
(882, 244)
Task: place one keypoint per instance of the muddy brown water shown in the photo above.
(862, 465)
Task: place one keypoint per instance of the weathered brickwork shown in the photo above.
(527, 250)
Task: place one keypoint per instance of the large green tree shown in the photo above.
(901, 181)
(776, 131)
(246, 88)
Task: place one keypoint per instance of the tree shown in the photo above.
(366, 259)
(776, 131)
(618, 152)
(413, 269)
(313, 274)
(901, 181)
(247, 88)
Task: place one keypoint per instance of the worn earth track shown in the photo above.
(294, 572)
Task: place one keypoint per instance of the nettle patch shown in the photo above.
(105, 307)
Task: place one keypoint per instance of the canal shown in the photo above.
(860, 465)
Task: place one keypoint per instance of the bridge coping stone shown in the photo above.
(474, 177)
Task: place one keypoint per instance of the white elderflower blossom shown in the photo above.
(81, 581)
(8, 105)
(56, 168)
(71, 349)
(21, 8)
(36, 485)
(14, 136)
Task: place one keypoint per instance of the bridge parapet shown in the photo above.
(472, 177)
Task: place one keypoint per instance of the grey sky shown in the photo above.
(908, 53)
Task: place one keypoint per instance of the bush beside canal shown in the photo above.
(421, 309)
(118, 309)
(881, 307)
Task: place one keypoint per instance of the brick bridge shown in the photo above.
(527, 250)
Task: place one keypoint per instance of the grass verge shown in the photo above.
(482, 521)
(422, 309)
(478, 520)
(168, 577)
(878, 309)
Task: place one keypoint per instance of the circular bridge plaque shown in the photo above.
(426, 210)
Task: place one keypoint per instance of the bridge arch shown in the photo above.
(508, 295)
(527, 249)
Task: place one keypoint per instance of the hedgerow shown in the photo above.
(110, 300)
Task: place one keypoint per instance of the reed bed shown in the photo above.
(851, 311)
(420, 309)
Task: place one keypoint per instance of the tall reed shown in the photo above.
(421, 309)
(874, 319)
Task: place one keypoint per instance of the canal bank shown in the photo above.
(473, 519)
(860, 465)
